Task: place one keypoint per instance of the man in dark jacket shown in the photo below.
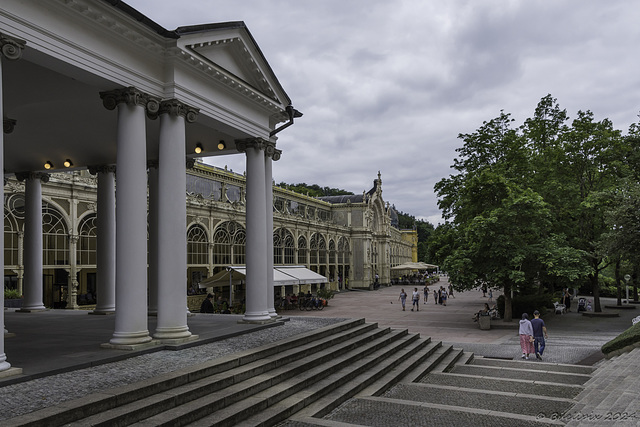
(207, 305)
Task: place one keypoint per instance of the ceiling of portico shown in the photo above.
(60, 116)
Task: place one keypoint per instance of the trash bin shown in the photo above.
(484, 320)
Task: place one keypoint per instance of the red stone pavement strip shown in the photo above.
(453, 322)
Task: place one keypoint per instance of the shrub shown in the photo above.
(628, 337)
(325, 293)
(11, 294)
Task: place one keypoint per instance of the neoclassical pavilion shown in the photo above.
(90, 84)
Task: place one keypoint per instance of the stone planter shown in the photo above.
(13, 303)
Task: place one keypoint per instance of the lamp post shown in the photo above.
(230, 270)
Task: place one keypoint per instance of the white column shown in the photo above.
(106, 241)
(172, 222)
(271, 154)
(9, 49)
(33, 242)
(153, 237)
(131, 326)
(256, 255)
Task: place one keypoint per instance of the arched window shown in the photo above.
(55, 237)
(332, 252)
(197, 246)
(283, 247)
(239, 246)
(13, 225)
(343, 251)
(87, 241)
(302, 250)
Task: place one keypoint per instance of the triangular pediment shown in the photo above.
(233, 51)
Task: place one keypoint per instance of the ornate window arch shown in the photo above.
(197, 246)
(87, 240)
(55, 237)
(283, 247)
(13, 226)
(343, 250)
(302, 250)
(318, 248)
(332, 251)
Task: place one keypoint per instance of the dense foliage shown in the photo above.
(314, 190)
(529, 208)
(424, 229)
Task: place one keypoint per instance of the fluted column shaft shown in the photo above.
(131, 326)
(172, 222)
(256, 252)
(10, 49)
(106, 241)
(271, 154)
(154, 238)
(33, 243)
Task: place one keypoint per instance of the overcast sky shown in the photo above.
(387, 85)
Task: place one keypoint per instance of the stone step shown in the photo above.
(355, 370)
(537, 388)
(448, 362)
(510, 402)
(521, 374)
(378, 411)
(533, 365)
(225, 370)
(429, 364)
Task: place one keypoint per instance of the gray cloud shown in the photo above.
(389, 84)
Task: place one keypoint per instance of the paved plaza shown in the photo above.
(60, 354)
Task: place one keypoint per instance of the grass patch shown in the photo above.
(628, 337)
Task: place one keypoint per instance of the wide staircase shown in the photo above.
(348, 373)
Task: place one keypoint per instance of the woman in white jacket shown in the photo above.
(526, 333)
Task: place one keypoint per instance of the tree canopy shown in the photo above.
(528, 207)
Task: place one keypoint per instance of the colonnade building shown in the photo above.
(95, 85)
(347, 239)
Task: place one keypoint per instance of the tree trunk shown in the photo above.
(595, 286)
(617, 273)
(508, 307)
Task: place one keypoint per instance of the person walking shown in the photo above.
(444, 297)
(490, 295)
(435, 297)
(451, 291)
(539, 334)
(426, 294)
(403, 298)
(416, 299)
(526, 336)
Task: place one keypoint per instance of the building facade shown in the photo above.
(347, 239)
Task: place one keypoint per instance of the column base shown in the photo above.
(128, 339)
(172, 333)
(9, 372)
(130, 347)
(8, 334)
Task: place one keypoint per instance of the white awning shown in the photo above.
(414, 266)
(282, 276)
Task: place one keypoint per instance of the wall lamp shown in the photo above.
(68, 163)
(48, 165)
(199, 148)
(222, 145)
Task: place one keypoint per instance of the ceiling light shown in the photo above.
(221, 145)
(48, 165)
(199, 148)
(68, 163)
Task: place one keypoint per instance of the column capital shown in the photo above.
(8, 125)
(10, 47)
(258, 143)
(178, 108)
(276, 155)
(131, 96)
(94, 170)
(22, 176)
